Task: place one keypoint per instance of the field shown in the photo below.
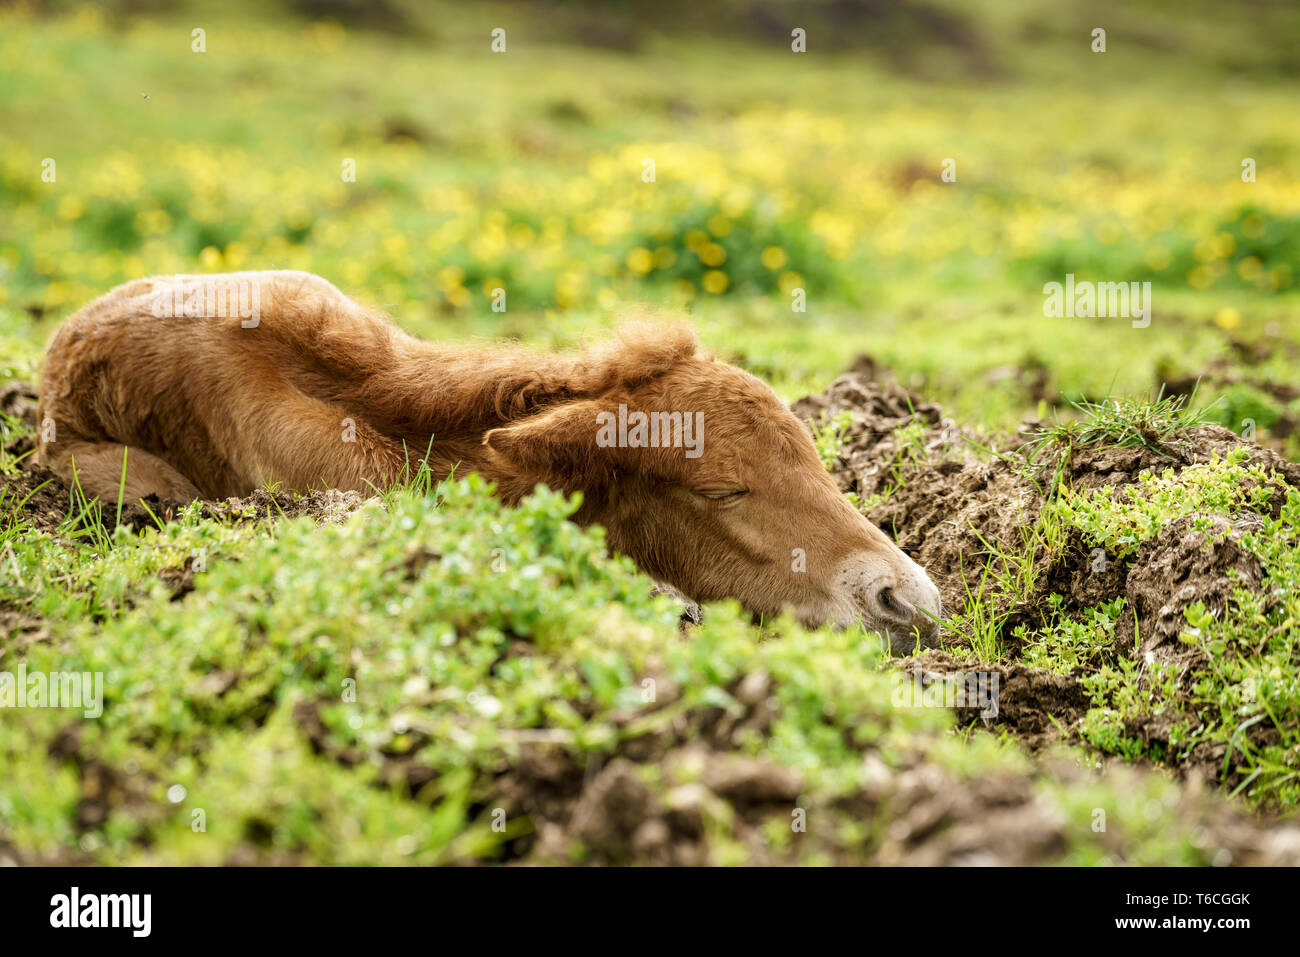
(1110, 506)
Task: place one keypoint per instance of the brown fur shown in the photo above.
(207, 407)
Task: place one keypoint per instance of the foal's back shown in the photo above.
(213, 385)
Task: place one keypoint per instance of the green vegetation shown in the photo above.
(434, 678)
(272, 715)
(1246, 673)
(1121, 520)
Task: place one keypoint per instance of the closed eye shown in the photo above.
(721, 494)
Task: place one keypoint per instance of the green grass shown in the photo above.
(1130, 422)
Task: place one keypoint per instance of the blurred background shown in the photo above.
(774, 171)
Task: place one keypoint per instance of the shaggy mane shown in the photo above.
(642, 350)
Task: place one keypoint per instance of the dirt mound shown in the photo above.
(1180, 566)
(934, 817)
(948, 504)
(954, 507)
(1033, 703)
(1004, 820)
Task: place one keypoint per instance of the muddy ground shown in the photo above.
(948, 499)
(949, 502)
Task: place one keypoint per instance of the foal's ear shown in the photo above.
(557, 447)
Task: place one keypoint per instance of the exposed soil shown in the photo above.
(1033, 703)
(611, 812)
(934, 817)
(950, 497)
(326, 506)
(950, 507)
(1178, 567)
(947, 504)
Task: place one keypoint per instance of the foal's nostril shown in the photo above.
(892, 607)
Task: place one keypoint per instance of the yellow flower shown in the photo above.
(774, 257)
(210, 258)
(735, 202)
(236, 254)
(711, 254)
(1227, 318)
(665, 256)
(1215, 247)
(715, 281)
(640, 260)
(568, 288)
(663, 231)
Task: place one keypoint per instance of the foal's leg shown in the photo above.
(98, 468)
(303, 442)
